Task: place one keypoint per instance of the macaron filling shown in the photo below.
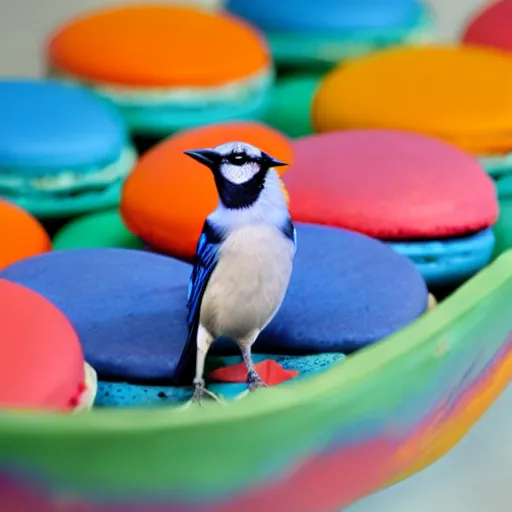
(161, 108)
(442, 260)
(86, 394)
(333, 47)
(62, 183)
(499, 168)
(126, 394)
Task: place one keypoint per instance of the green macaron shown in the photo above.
(100, 229)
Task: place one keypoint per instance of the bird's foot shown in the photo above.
(255, 382)
(201, 393)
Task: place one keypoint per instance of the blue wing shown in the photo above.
(204, 265)
(205, 262)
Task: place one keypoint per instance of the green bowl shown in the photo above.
(316, 445)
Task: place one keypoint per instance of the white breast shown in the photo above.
(249, 282)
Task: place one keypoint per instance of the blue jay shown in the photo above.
(243, 261)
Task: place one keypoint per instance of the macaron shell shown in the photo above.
(327, 16)
(448, 92)
(48, 127)
(40, 354)
(390, 185)
(99, 229)
(157, 46)
(168, 196)
(21, 235)
(492, 26)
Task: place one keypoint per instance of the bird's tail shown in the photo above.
(185, 369)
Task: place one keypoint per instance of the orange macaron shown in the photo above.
(21, 234)
(461, 94)
(166, 67)
(168, 196)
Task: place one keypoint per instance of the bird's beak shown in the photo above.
(272, 162)
(207, 157)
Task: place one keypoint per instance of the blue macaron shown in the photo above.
(302, 33)
(63, 151)
(129, 307)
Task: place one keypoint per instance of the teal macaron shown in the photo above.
(302, 33)
(63, 151)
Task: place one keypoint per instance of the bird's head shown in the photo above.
(239, 170)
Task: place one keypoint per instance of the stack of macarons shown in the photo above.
(429, 200)
(185, 67)
(450, 92)
(303, 34)
(63, 151)
(42, 364)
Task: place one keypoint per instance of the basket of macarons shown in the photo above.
(253, 256)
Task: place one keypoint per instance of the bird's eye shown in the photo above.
(237, 159)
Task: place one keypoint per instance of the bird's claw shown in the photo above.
(255, 382)
(201, 393)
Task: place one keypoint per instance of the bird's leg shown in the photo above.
(204, 342)
(253, 379)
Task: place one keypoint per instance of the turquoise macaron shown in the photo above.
(304, 33)
(63, 151)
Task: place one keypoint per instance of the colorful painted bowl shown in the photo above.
(99, 229)
(290, 104)
(15, 221)
(490, 26)
(301, 34)
(42, 364)
(403, 188)
(448, 92)
(378, 417)
(168, 196)
(133, 326)
(63, 151)
(166, 67)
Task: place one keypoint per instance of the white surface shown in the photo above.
(477, 475)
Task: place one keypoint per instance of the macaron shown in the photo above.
(100, 229)
(63, 151)
(503, 228)
(42, 364)
(133, 326)
(169, 195)
(290, 104)
(301, 34)
(227, 379)
(490, 26)
(449, 92)
(427, 199)
(21, 234)
(166, 67)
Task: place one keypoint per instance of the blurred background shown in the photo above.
(476, 475)
(24, 24)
